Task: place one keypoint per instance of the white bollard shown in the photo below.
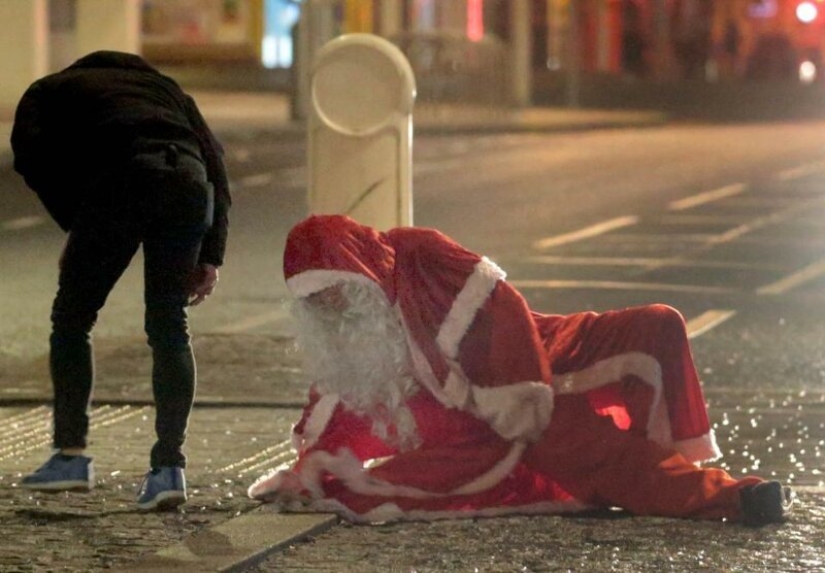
(359, 144)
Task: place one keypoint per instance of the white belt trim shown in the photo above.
(615, 368)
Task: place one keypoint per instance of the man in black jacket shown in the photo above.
(120, 156)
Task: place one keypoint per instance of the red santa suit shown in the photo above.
(619, 422)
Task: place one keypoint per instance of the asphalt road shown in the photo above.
(723, 222)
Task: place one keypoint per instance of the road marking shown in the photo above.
(587, 232)
(253, 322)
(647, 262)
(242, 155)
(662, 237)
(36, 432)
(812, 271)
(259, 180)
(706, 321)
(23, 223)
(281, 453)
(619, 285)
(801, 171)
(436, 165)
(732, 234)
(707, 197)
(703, 219)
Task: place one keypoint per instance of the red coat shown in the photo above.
(484, 360)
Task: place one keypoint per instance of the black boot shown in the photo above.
(766, 502)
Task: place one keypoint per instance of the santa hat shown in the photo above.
(324, 250)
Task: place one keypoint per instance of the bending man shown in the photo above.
(120, 157)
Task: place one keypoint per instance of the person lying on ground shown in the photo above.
(438, 393)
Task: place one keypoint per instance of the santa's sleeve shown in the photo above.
(327, 425)
(473, 341)
(502, 360)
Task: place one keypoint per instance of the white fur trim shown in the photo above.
(316, 423)
(389, 512)
(457, 387)
(701, 449)
(473, 294)
(312, 281)
(516, 411)
(456, 391)
(280, 485)
(424, 372)
(615, 368)
(352, 472)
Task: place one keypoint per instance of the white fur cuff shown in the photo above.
(517, 411)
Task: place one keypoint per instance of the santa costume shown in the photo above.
(514, 411)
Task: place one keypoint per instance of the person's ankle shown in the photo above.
(71, 452)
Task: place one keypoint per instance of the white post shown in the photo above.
(24, 47)
(108, 25)
(316, 26)
(360, 132)
(521, 79)
(573, 59)
(603, 36)
(390, 18)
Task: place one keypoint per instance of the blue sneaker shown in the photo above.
(62, 473)
(162, 488)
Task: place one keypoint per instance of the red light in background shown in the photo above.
(475, 19)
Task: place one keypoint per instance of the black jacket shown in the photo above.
(76, 123)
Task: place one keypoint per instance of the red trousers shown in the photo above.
(620, 358)
(602, 465)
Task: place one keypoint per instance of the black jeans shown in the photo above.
(162, 200)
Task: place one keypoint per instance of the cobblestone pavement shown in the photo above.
(240, 431)
(103, 529)
(228, 447)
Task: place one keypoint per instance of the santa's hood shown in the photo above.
(324, 250)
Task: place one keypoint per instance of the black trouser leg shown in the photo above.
(173, 383)
(176, 210)
(72, 372)
(98, 250)
(169, 260)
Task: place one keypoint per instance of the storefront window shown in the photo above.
(199, 29)
(280, 17)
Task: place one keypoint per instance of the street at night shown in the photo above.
(591, 156)
(723, 222)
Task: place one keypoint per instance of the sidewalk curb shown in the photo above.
(237, 544)
(430, 127)
(33, 400)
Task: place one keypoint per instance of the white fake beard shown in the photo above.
(361, 355)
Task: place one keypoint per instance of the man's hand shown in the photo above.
(202, 282)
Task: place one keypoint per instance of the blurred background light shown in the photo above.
(806, 12)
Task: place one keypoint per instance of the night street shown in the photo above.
(593, 155)
(725, 223)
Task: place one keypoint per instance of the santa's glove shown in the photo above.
(516, 411)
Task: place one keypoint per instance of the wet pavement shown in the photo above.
(250, 392)
(244, 433)
(236, 433)
(606, 543)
